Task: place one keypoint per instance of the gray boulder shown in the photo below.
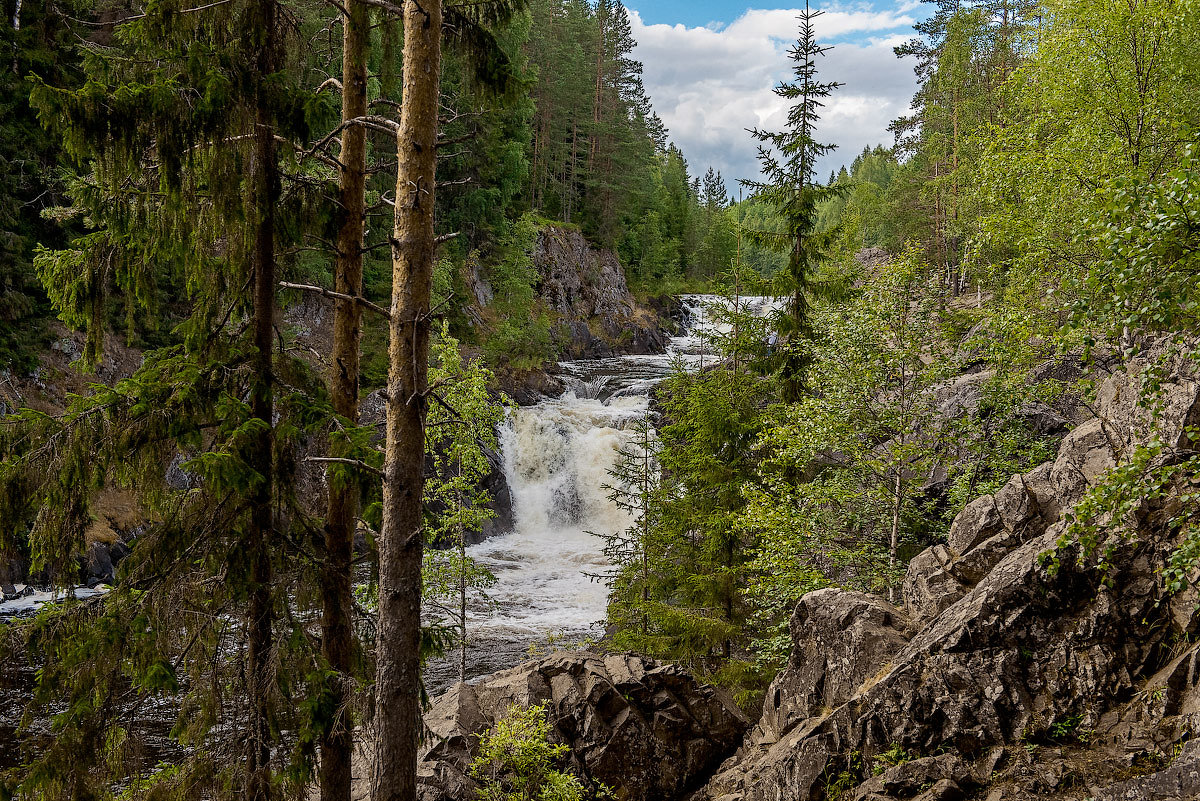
(99, 564)
(1015, 669)
(648, 730)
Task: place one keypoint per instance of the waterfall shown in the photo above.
(557, 455)
(556, 459)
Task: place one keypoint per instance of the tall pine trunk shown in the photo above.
(265, 194)
(398, 706)
(337, 742)
(462, 580)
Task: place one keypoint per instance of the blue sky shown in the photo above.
(693, 13)
(710, 67)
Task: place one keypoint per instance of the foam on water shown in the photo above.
(557, 455)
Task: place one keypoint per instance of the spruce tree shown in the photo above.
(715, 195)
(36, 40)
(178, 136)
(789, 159)
(634, 553)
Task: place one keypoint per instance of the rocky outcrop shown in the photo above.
(1014, 669)
(585, 289)
(649, 731)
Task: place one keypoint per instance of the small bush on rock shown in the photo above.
(516, 761)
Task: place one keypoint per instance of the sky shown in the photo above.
(710, 66)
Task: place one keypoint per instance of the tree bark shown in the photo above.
(894, 538)
(265, 186)
(398, 710)
(462, 582)
(337, 742)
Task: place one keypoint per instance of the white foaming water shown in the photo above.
(557, 455)
(556, 459)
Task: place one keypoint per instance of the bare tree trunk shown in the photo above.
(894, 540)
(265, 188)
(594, 145)
(462, 581)
(337, 742)
(16, 26)
(398, 704)
(645, 532)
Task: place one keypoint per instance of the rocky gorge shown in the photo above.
(584, 288)
(1011, 666)
(1015, 666)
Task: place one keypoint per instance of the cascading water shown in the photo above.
(557, 455)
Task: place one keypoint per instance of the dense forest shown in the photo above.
(177, 177)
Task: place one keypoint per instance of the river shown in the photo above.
(557, 455)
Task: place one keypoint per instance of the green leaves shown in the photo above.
(1146, 279)
(516, 761)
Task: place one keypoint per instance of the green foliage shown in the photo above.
(836, 491)
(635, 554)
(1144, 284)
(896, 754)
(516, 761)
(842, 775)
(520, 336)
(1098, 108)
(758, 220)
(461, 432)
(30, 159)
(678, 569)
(161, 136)
(860, 216)
(1145, 281)
(1068, 729)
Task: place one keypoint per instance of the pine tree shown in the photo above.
(401, 541)
(788, 161)
(401, 537)
(337, 638)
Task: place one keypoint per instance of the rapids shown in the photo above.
(557, 455)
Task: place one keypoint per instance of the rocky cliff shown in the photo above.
(594, 315)
(1003, 675)
(586, 289)
(646, 730)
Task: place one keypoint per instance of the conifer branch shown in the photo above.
(352, 462)
(391, 8)
(345, 12)
(383, 101)
(457, 140)
(334, 82)
(375, 123)
(329, 293)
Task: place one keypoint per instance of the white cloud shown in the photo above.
(710, 84)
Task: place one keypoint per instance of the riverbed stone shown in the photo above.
(648, 730)
(99, 564)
